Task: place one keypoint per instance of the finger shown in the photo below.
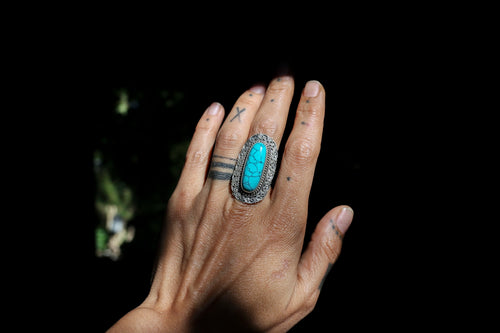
(232, 136)
(270, 119)
(323, 249)
(198, 154)
(273, 112)
(302, 149)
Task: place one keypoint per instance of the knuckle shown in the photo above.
(310, 302)
(181, 198)
(267, 126)
(277, 88)
(196, 158)
(229, 139)
(287, 225)
(311, 110)
(237, 214)
(204, 126)
(278, 230)
(301, 151)
(332, 249)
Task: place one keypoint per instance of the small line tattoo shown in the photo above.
(218, 175)
(288, 178)
(223, 165)
(303, 123)
(272, 99)
(238, 113)
(330, 265)
(307, 101)
(218, 169)
(207, 119)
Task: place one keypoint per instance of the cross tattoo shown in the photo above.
(238, 114)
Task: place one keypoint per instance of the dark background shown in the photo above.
(119, 286)
(363, 86)
(406, 133)
(399, 102)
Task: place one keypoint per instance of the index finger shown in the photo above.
(302, 150)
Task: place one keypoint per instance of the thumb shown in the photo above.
(324, 248)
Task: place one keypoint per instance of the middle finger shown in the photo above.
(273, 112)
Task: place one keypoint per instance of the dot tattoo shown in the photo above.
(337, 232)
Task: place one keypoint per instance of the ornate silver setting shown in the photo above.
(267, 173)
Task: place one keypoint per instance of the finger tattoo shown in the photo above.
(336, 230)
(221, 167)
(330, 265)
(238, 113)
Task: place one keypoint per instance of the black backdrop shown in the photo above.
(399, 103)
(360, 85)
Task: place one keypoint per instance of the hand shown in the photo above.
(224, 264)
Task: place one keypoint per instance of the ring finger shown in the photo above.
(232, 136)
(257, 161)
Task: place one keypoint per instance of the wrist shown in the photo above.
(143, 319)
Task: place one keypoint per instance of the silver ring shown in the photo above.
(255, 168)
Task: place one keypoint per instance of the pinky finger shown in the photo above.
(198, 154)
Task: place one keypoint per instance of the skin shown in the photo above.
(228, 266)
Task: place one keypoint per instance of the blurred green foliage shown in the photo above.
(141, 141)
(101, 239)
(111, 191)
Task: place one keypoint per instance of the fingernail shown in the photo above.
(311, 89)
(213, 109)
(344, 219)
(258, 89)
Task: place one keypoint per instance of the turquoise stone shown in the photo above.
(254, 167)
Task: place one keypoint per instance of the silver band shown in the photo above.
(267, 175)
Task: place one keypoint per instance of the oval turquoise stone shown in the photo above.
(254, 166)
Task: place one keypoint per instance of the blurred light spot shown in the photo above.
(122, 105)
